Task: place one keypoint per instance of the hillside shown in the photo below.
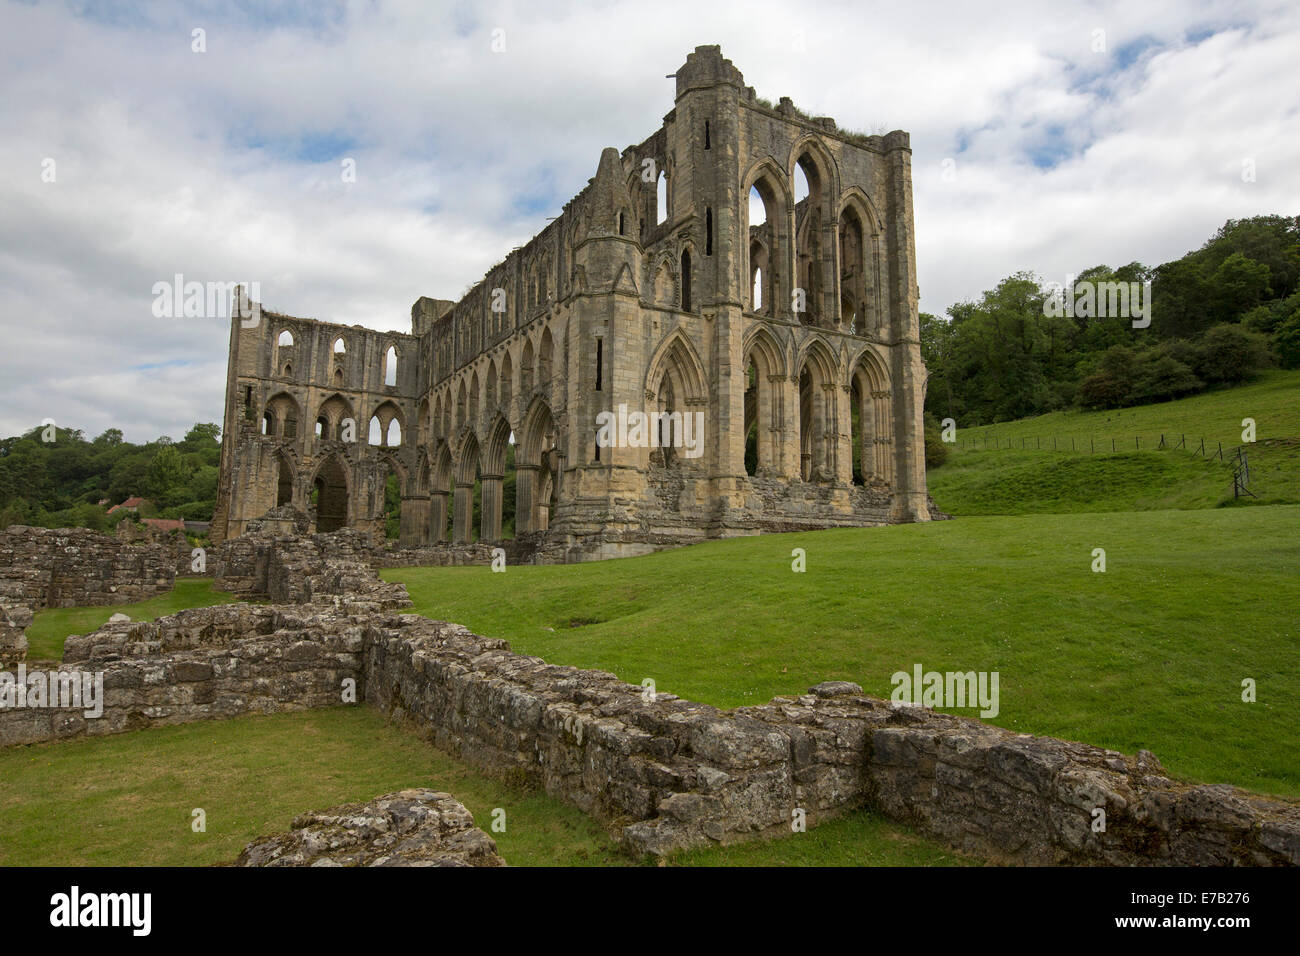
(1063, 462)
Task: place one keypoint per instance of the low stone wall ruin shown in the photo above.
(662, 773)
(75, 567)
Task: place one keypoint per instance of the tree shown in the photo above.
(206, 432)
(167, 476)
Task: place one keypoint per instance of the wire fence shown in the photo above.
(1207, 448)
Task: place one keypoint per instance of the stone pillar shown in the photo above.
(415, 520)
(791, 455)
(491, 506)
(525, 492)
(463, 518)
(438, 516)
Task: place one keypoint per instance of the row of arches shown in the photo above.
(813, 250)
(498, 488)
(285, 357)
(458, 403)
(830, 406)
(335, 421)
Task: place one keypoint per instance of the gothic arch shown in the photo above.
(764, 401)
(871, 410)
(330, 490)
(676, 358)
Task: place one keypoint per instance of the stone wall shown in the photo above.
(200, 664)
(663, 773)
(14, 621)
(669, 774)
(298, 569)
(74, 567)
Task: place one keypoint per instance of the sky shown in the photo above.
(1045, 137)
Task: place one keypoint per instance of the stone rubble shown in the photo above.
(409, 828)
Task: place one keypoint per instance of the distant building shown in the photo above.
(131, 504)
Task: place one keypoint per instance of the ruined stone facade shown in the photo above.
(793, 341)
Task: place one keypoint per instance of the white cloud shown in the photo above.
(223, 165)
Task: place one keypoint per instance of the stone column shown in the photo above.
(464, 513)
(491, 505)
(525, 488)
(438, 516)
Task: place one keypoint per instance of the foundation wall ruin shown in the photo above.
(662, 773)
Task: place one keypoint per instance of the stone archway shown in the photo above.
(330, 496)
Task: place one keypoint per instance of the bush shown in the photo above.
(1230, 354)
(1286, 342)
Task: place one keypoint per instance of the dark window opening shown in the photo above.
(600, 348)
(686, 281)
(706, 134)
(620, 225)
(708, 231)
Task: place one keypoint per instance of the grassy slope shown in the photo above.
(126, 800)
(53, 626)
(989, 472)
(1191, 603)
(1215, 416)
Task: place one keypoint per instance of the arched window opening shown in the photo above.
(854, 282)
(286, 339)
(390, 366)
(757, 291)
(686, 281)
(322, 427)
(855, 431)
(809, 251)
(620, 224)
(394, 434)
(376, 436)
(338, 376)
(661, 198)
(751, 418)
(284, 485)
(340, 347)
(800, 183)
(757, 208)
(288, 370)
(268, 424)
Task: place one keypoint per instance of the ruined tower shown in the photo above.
(793, 340)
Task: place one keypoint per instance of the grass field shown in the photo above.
(51, 627)
(1273, 401)
(1150, 654)
(1015, 468)
(127, 800)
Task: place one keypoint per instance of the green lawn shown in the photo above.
(51, 627)
(1273, 401)
(126, 800)
(1150, 654)
(1016, 468)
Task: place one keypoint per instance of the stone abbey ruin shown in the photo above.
(800, 331)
